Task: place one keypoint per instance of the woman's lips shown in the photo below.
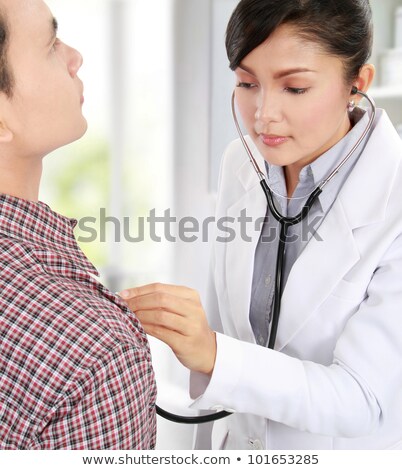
(273, 140)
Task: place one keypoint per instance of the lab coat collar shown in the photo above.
(366, 192)
(362, 201)
(365, 183)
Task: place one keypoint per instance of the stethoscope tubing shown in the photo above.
(191, 419)
(285, 224)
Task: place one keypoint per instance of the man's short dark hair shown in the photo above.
(6, 77)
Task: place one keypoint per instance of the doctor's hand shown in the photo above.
(174, 315)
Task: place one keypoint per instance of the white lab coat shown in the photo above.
(335, 378)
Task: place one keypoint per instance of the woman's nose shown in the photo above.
(268, 108)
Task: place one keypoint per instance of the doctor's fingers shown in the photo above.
(192, 353)
(168, 302)
(172, 338)
(179, 291)
(155, 319)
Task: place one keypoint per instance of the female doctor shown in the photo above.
(334, 378)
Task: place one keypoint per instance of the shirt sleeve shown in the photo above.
(111, 407)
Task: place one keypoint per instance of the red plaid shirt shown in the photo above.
(75, 364)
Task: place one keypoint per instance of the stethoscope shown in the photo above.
(285, 224)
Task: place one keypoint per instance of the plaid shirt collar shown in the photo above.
(36, 223)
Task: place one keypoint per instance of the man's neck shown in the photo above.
(20, 179)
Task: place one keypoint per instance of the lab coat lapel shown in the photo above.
(322, 264)
(361, 202)
(239, 263)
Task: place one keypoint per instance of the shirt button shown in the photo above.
(255, 444)
(268, 280)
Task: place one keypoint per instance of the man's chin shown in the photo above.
(81, 132)
(77, 135)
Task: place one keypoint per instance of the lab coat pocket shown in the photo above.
(350, 291)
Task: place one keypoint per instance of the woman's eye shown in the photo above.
(297, 91)
(246, 85)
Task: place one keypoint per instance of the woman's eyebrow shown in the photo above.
(247, 69)
(281, 73)
(293, 71)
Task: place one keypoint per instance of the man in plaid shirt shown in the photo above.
(75, 364)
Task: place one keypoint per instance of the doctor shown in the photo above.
(334, 380)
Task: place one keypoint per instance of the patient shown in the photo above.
(74, 373)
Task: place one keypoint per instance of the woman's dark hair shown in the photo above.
(6, 78)
(343, 28)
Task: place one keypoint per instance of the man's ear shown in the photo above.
(6, 134)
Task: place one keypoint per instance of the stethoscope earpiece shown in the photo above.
(354, 90)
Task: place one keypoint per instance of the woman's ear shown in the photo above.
(364, 80)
